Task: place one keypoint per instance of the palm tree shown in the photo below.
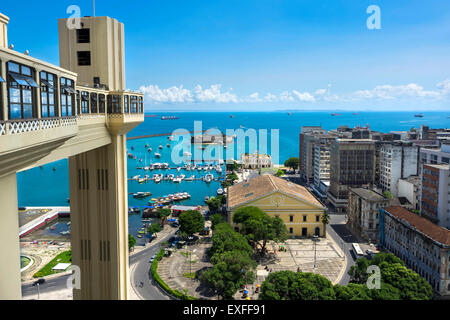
(162, 214)
(325, 221)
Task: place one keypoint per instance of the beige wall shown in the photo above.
(9, 240)
(284, 206)
(107, 51)
(3, 31)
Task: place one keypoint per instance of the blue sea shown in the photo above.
(48, 186)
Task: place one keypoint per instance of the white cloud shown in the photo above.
(306, 96)
(215, 94)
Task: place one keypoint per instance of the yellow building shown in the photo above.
(295, 205)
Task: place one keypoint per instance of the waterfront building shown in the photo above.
(256, 161)
(295, 205)
(48, 114)
(352, 165)
(363, 210)
(409, 188)
(398, 160)
(435, 193)
(421, 244)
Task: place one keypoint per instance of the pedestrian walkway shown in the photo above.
(174, 271)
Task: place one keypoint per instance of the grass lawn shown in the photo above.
(64, 257)
(189, 275)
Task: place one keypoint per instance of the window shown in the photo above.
(1, 92)
(84, 102)
(317, 218)
(21, 89)
(48, 89)
(114, 105)
(291, 218)
(141, 105)
(101, 103)
(83, 36)
(126, 98)
(67, 93)
(305, 218)
(94, 99)
(317, 231)
(291, 230)
(84, 58)
(134, 104)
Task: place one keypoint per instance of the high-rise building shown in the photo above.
(397, 160)
(307, 139)
(352, 165)
(435, 193)
(322, 159)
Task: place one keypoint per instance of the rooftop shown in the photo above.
(368, 194)
(420, 224)
(264, 185)
(442, 166)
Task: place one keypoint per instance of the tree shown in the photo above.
(397, 281)
(259, 228)
(388, 195)
(288, 285)
(231, 270)
(352, 291)
(233, 166)
(232, 178)
(154, 228)
(216, 219)
(292, 163)
(162, 214)
(226, 239)
(279, 173)
(214, 204)
(131, 242)
(410, 285)
(191, 222)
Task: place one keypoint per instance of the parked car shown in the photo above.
(39, 282)
(152, 259)
(175, 224)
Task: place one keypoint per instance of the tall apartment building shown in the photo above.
(306, 157)
(352, 165)
(322, 159)
(432, 193)
(398, 160)
(363, 210)
(435, 193)
(421, 244)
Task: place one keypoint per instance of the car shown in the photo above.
(175, 224)
(152, 259)
(39, 282)
(172, 239)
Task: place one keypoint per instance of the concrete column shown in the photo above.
(10, 283)
(99, 214)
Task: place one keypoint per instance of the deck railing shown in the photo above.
(11, 127)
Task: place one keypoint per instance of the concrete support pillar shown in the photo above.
(10, 283)
(99, 214)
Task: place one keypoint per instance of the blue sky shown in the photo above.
(263, 55)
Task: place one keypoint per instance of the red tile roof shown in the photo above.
(421, 224)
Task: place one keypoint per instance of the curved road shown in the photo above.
(139, 272)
